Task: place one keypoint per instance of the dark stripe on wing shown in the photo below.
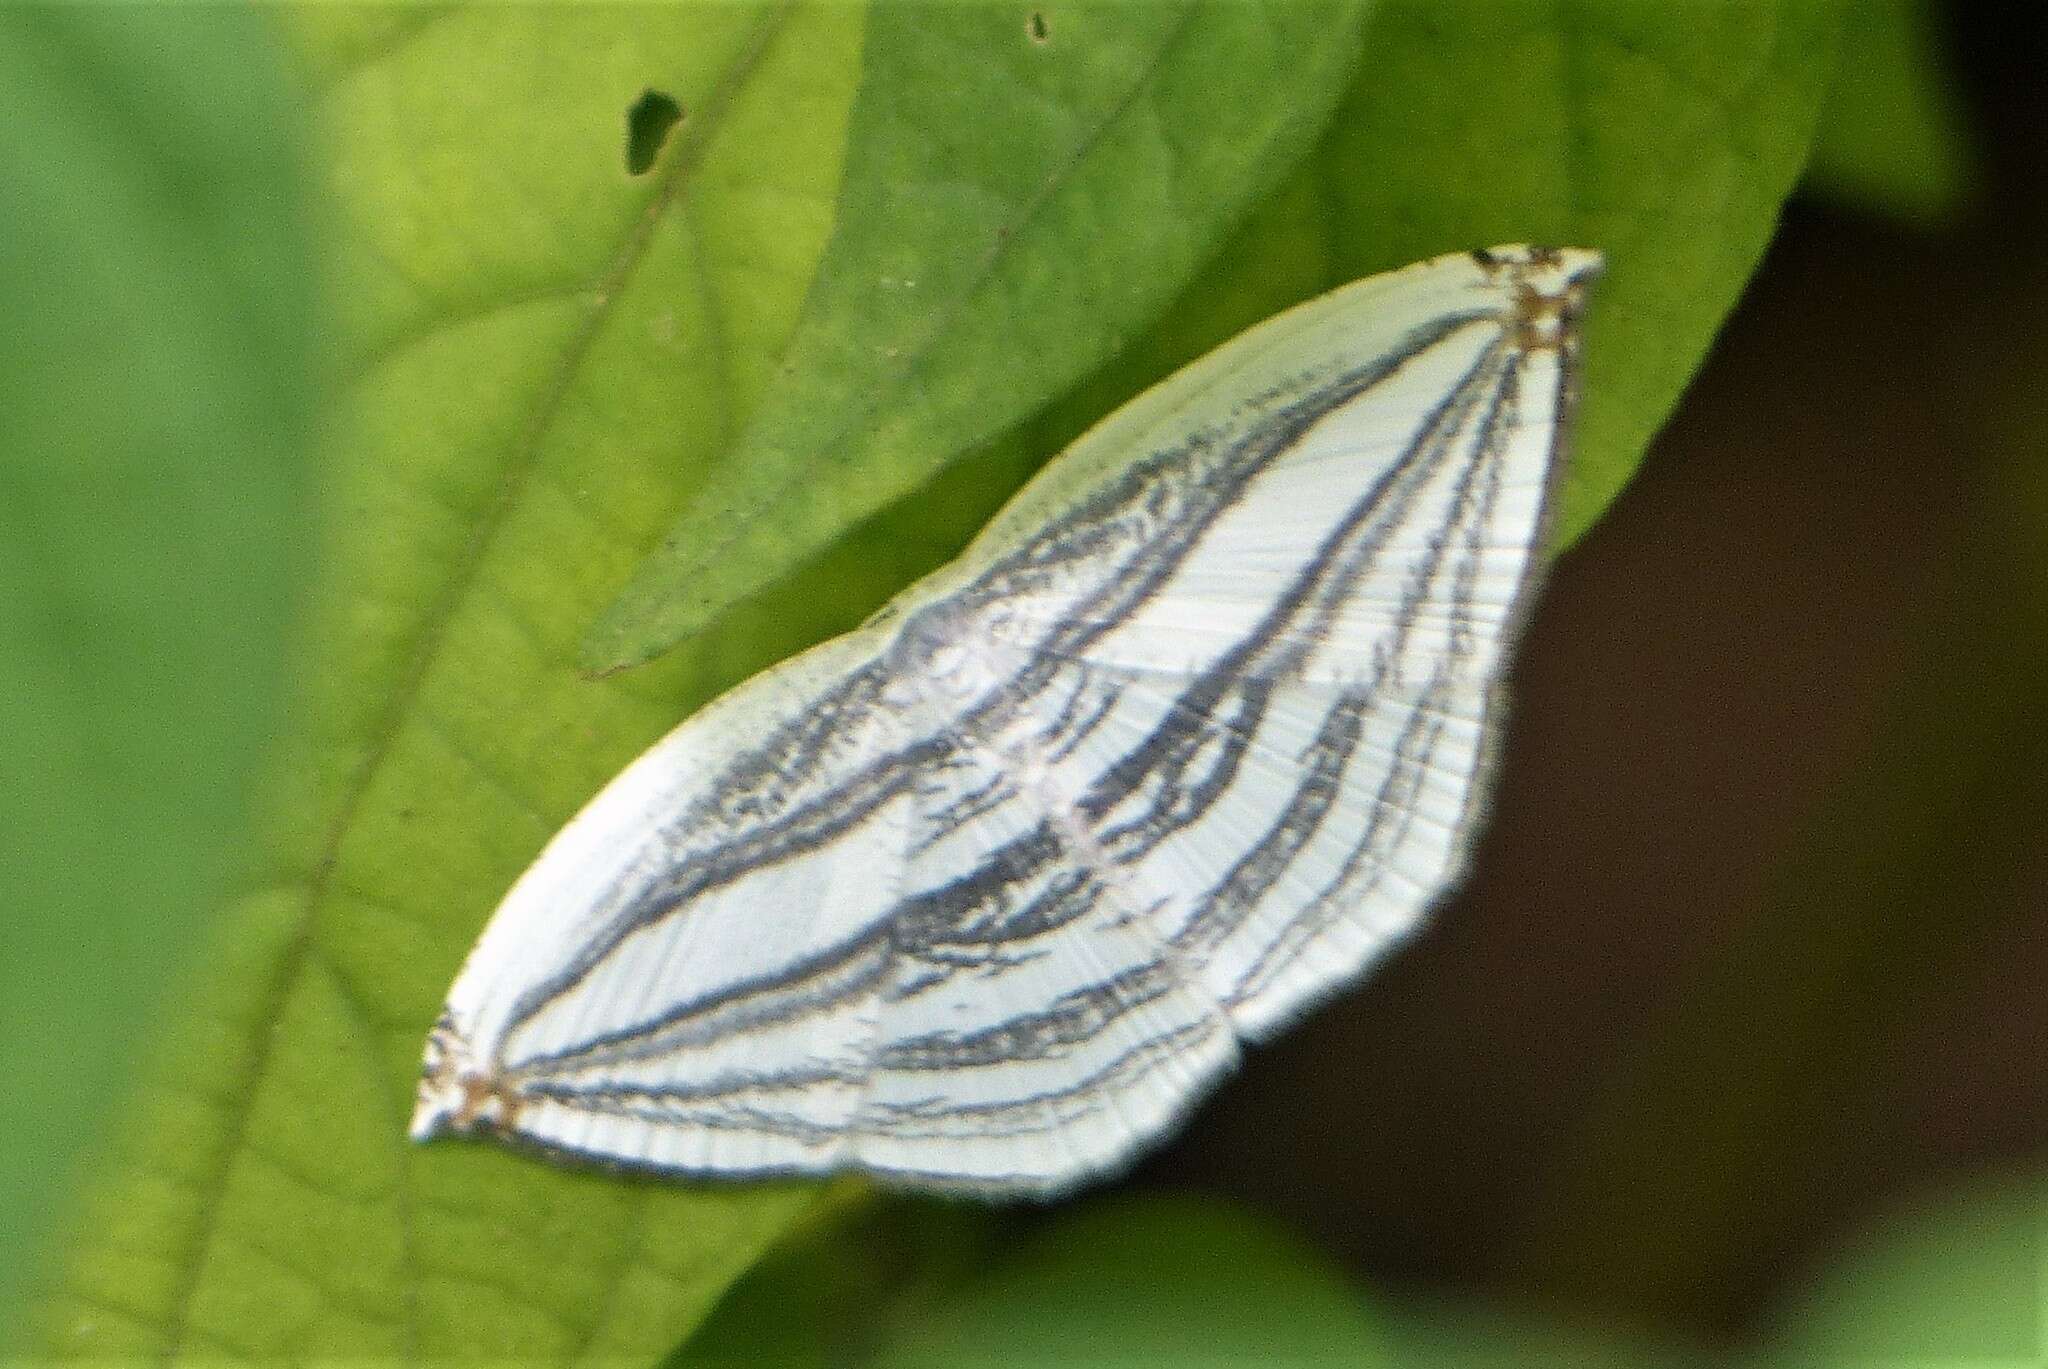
(771, 806)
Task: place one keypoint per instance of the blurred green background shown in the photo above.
(1732, 1045)
(158, 353)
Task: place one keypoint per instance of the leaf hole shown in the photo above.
(648, 123)
(1036, 29)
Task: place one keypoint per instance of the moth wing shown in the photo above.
(681, 979)
(901, 965)
(1237, 653)
(1388, 514)
(1036, 1027)
(1304, 694)
(1282, 842)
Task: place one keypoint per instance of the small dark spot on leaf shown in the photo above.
(648, 123)
(1037, 28)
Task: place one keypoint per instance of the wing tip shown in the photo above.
(1547, 287)
(454, 1094)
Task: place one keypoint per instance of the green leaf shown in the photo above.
(1158, 1281)
(1892, 138)
(910, 1281)
(997, 239)
(1667, 138)
(1949, 1282)
(156, 400)
(832, 1290)
(545, 352)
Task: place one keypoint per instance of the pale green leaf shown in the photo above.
(545, 352)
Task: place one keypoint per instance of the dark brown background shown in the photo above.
(1756, 942)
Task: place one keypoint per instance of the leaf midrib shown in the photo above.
(688, 152)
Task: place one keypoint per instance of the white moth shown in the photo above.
(985, 894)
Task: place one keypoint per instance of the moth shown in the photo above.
(986, 894)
